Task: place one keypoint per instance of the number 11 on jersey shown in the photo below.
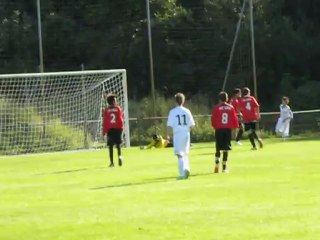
(182, 119)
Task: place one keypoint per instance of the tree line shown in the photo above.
(191, 44)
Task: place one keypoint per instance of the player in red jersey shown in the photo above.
(250, 114)
(235, 102)
(113, 125)
(224, 120)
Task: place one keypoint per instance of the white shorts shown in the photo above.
(181, 143)
(283, 127)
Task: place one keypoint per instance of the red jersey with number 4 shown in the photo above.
(249, 108)
(224, 116)
(112, 118)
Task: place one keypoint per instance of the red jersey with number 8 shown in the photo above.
(224, 116)
(249, 108)
(112, 118)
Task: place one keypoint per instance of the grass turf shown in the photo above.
(271, 193)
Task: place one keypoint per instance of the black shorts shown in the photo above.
(114, 136)
(223, 139)
(250, 126)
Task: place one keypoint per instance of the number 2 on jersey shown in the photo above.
(183, 118)
(113, 118)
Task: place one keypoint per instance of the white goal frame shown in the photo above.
(99, 81)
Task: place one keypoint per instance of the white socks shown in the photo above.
(183, 164)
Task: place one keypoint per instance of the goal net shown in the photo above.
(57, 111)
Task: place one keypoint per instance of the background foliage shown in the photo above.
(24, 131)
(191, 43)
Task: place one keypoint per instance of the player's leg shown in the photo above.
(286, 129)
(186, 166)
(248, 128)
(218, 138)
(118, 141)
(180, 167)
(278, 126)
(119, 154)
(110, 143)
(255, 135)
(224, 161)
(259, 139)
(181, 144)
(111, 155)
(226, 148)
(240, 133)
(217, 161)
(251, 138)
(186, 149)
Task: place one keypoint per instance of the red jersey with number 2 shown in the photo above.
(224, 116)
(249, 108)
(112, 118)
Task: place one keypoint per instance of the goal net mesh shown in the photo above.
(56, 111)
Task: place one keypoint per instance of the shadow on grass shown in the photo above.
(147, 181)
(203, 147)
(72, 171)
(204, 154)
(305, 138)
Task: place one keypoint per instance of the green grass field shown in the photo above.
(273, 193)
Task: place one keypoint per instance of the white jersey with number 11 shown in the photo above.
(180, 119)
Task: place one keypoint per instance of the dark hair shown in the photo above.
(245, 91)
(236, 91)
(223, 96)
(285, 98)
(155, 136)
(179, 97)
(111, 98)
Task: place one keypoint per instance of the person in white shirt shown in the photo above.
(180, 121)
(286, 115)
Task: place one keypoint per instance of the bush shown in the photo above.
(143, 126)
(24, 130)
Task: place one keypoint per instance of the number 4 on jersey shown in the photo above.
(248, 106)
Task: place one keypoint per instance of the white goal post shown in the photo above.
(56, 111)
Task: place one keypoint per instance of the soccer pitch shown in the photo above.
(272, 193)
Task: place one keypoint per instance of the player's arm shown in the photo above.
(256, 107)
(238, 110)
(105, 123)
(169, 132)
(152, 143)
(235, 124)
(120, 116)
(291, 113)
(169, 126)
(192, 122)
(234, 120)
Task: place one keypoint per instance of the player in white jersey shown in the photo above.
(181, 121)
(286, 115)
